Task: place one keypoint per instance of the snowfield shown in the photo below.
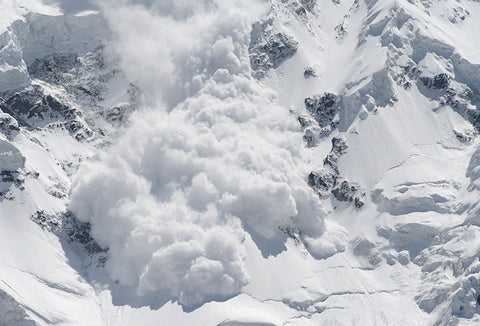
(239, 163)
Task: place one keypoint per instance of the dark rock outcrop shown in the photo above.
(339, 147)
(269, 48)
(309, 72)
(328, 180)
(349, 192)
(322, 182)
(440, 81)
(32, 108)
(323, 117)
(53, 68)
(68, 228)
(8, 125)
(309, 4)
(324, 109)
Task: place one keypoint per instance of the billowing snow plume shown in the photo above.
(212, 159)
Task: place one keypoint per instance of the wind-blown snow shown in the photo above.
(212, 159)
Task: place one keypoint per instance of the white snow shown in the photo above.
(202, 199)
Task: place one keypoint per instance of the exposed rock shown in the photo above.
(309, 72)
(341, 30)
(459, 15)
(68, 228)
(339, 147)
(312, 130)
(9, 176)
(11, 163)
(465, 137)
(322, 181)
(324, 109)
(53, 68)
(309, 4)
(79, 231)
(269, 48)
(349, 192)
(407, 75)
(8, 125)
(440, 81)
(33, 108)
(328, 180)
(300, 11)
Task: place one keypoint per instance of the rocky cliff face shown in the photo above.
(299, 163)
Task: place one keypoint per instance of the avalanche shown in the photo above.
(282, 162)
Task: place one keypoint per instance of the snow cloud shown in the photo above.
(211, 157)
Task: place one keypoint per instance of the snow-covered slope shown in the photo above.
(240, 162)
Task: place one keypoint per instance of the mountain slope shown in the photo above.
(240, 163)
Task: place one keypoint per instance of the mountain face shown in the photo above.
(282, 162)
